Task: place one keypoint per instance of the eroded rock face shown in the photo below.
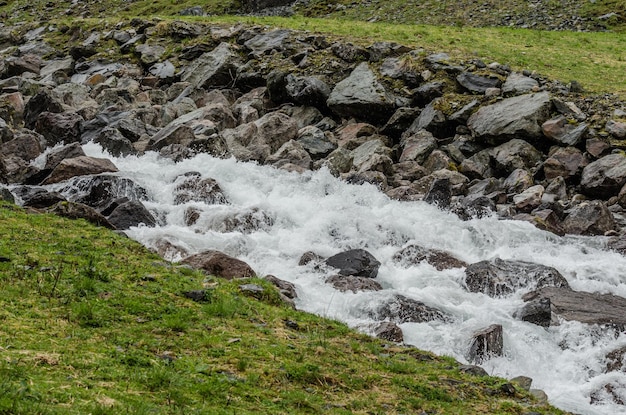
(498, 277)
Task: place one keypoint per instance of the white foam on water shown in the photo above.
(317, 212)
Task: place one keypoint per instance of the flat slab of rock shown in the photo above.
(213, 69)
(351, 283)
(516, 117)
(585, 307)
(219, 264)
(79, 166)
(498, 277)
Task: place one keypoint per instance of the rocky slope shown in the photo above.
(473, 137)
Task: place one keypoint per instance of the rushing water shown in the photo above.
(317, 212)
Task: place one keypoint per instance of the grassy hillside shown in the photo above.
(93, 323)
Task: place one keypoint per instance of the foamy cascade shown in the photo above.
(317, 212)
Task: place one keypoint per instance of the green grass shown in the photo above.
(92, 322)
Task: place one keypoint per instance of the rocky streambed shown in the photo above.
(475, 139)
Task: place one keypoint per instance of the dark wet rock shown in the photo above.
(131, 213)
(59, 127)
(432, 119)
(79, 166)
(589, 218)
(357, 262)
(194, 188)
(361, 96)
(309, 91)
(100, 191)
(585, 307)
(349, 52)
(315, 142)
(25, 145)
(43, 101)
(498, 277)
(561, 131)
(6, 195)
(516, 117)
(73, 210)
(38, 198)
(486, 343)
(400, 309)
(427, 92)
(476, 83)
(439, 193)
(605, 177)
(219, 264)
(114, 142)
(414, 254)
(538, 312)
(351, 283)
(389, 331)
(400, 121)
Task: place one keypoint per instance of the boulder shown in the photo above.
(315, 142)
(498, 277)
(414, 254)
(79, 166)
(567, 162)
(73, 210)
(357, 262)
(308, 91)
(112, 140)
(292, 156)
(267, 43)
(589, 218)
(563, 132)
(616, 129)
(37, 197)
(43, 101)
(59, 128)
(345, 283)
(537, 311)
(131, 213)
(516, 117)
(432, 119)
(219, 264)
(213, 69)
(529, 199)
(515, 154)
(486, 343)
(102, 190)
(417, 146)
(400, 309)
(25, 145)
(361, 96)
(604, 177)
(585, 307)
(193, 188)
(439, 193)
(285, 287)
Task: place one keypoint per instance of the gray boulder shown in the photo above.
(515, 154)
(59, 127)
(516, 117)
(131, 213)
(352, 283)
(213, 69)
(417, 146)
(266, 43)
(498, 277)
(357, 262)
(193, 188)
(361, 96)
(315, 142)
(414, 255)
(219, 264)
(79, 166)
(562, 132)
(604, 177)
(516, 83)
(589, 218)
(567, 162)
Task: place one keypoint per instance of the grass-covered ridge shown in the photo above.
(91, 322)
